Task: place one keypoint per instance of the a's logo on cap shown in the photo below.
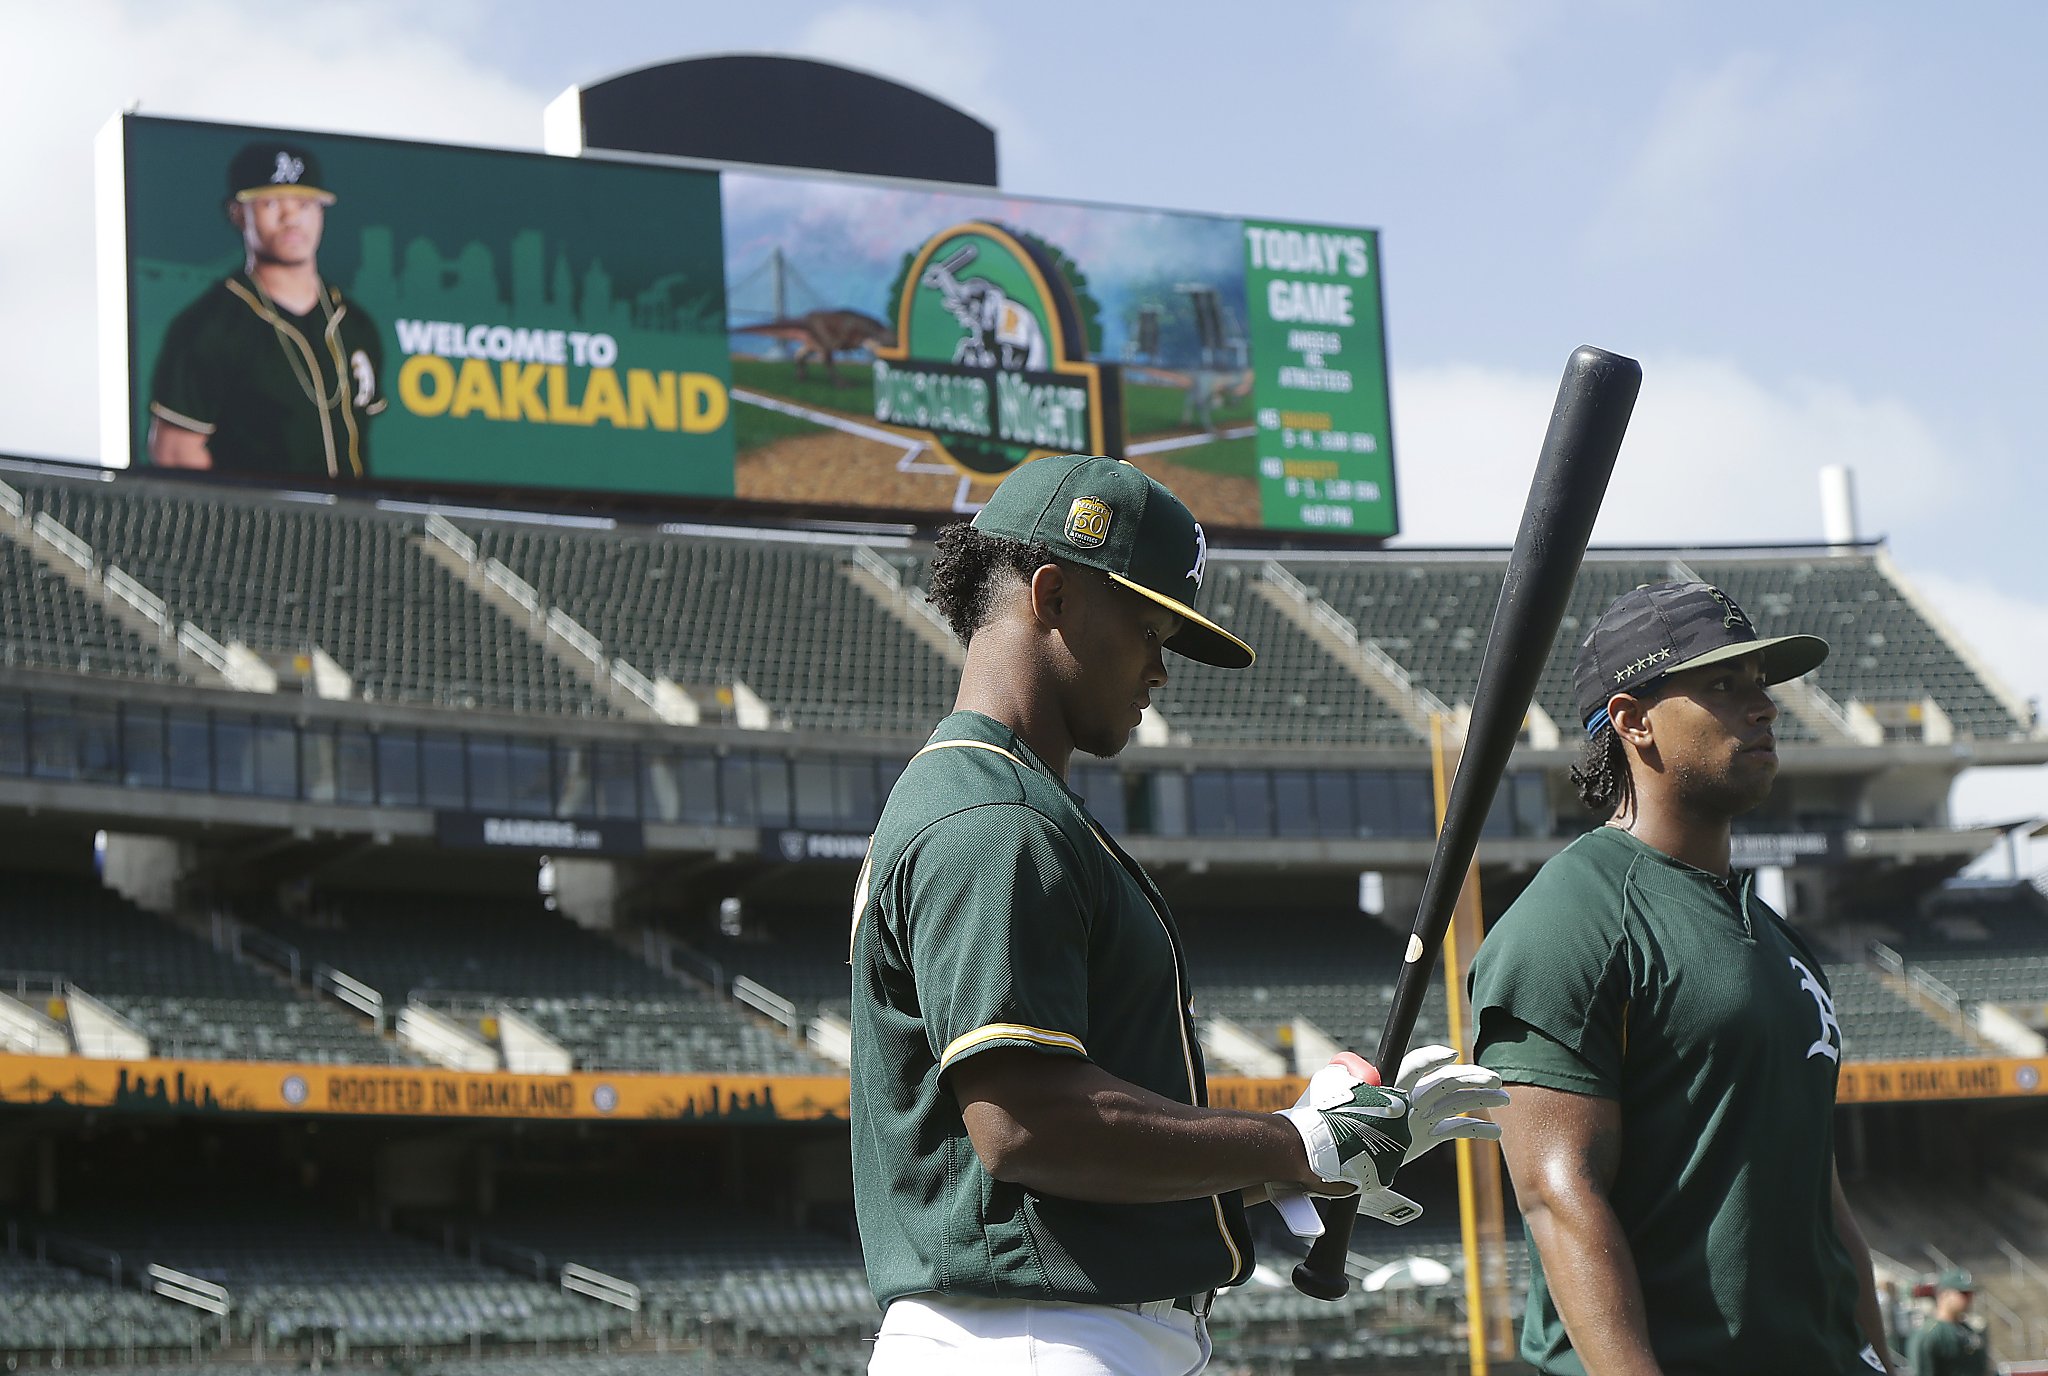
(1201, 555)
(288, 170)
(1088, 524)
(1732, 615)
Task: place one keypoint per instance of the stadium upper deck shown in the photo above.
(825, 632)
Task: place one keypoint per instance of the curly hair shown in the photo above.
(1601, 775)
(966, 567)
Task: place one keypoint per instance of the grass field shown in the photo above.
(1151, 410)
(754, 426)
(1228, 458)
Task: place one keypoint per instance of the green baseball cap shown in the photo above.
(1956, 1279)
(1109, 515)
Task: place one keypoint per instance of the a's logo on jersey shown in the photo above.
(1201, 556)
(365, 376)
(1829, 1043)
(288, 170)
(1088, 522)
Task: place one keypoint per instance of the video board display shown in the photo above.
(334, 310)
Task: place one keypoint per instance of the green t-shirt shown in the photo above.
(1625, 974)
(1941, 1348)
(271, 391)
(991, 912)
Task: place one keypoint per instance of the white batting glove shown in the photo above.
(1441, 1093)
(1355, 1134)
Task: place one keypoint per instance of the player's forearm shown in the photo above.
(1116, 1143)
(1591, 1272)
(1869, 1316)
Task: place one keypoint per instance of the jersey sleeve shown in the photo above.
(1550, 999)
(185, 389)
(997, 911)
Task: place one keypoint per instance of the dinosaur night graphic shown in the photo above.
(982, 368)
(904, 348)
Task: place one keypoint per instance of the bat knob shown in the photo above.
(1320, 1286)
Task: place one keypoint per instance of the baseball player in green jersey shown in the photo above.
(272, 370)
(1671, 1041)
(1040, 1184)
(1947, 1344)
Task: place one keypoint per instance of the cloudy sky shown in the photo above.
(1820, 227)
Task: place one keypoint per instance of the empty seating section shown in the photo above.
(287, 578)
(786, 619)
(49, 1309)
(611, 1010)
(1884, 650)
(1989, 943)
(1430, 618)
(1337, 971)
(1881, 1024)
(188, 999)
(708, 1265)
(782, 618)
(803, 960)
(1297, 693)
(289, 1276)
(45, 623)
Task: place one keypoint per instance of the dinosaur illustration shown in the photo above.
(823, 335)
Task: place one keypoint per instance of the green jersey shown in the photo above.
(1940, 1347)
(272, 392)
(993, 912)
(1624, 974)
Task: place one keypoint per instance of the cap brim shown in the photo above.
(1198, 638)
(311, 193)
(1785, 656)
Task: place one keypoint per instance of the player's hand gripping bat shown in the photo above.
(1586, 426)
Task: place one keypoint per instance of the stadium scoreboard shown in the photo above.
(692, 333)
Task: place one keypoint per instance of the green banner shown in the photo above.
(1319, 378)
(313, 306)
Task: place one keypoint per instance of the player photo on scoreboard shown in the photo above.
(331, 310)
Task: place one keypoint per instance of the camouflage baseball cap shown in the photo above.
(1661, 629)
(276, 169)
(1109, 515)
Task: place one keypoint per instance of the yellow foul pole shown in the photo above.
(1454, 999)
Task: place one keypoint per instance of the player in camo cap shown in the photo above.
(1672, 1041)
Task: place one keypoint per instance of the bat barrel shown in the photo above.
(1594, 401)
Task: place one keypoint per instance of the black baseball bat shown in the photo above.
(1586, 426)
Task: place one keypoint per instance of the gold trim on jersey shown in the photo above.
(183, 422)
(1180, 992)
(309, 381)
(1008, 1032)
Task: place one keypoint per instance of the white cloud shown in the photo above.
(66, 69)
(1719, 143)
(1455, 59)
(1712, 456)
